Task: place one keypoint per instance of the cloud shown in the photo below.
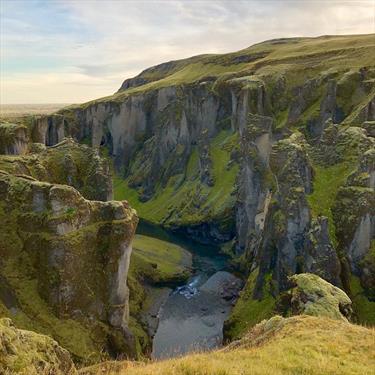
(58, 49)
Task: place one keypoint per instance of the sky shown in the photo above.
(72, 51)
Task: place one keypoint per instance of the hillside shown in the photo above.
(297, 345)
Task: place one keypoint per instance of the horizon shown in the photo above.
(57, 60)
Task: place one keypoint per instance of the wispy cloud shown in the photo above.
(76, 50)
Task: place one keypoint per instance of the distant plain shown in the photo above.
(9, 111)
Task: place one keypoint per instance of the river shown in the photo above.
(192, 316)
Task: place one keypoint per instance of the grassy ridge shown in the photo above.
(296, 345)
(298, 58)
(327, 181)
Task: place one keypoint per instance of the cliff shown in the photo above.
(64, 264)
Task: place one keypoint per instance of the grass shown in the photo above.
(327, 181)
(159, 261)
(247, 312)
(297, 58)
(296, 345)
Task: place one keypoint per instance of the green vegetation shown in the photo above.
(248, 311)
(298, 59)
(35, 314)
(29, 353)
(158, 261)
(327, 181)
(33, 273)
(363, 307)
(192, 202)
(314, 296)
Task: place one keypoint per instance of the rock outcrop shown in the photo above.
(311, 295)
(14, 139)
(68, 163)
(64, 261)
(26, 352)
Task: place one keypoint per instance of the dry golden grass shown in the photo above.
(297, 345)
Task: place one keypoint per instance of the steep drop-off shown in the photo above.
(64, 259)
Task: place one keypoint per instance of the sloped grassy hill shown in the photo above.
(296, 345)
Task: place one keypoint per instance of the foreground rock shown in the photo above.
(64, 265)
(28, 353)
(312, 295)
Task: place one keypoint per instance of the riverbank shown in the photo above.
(180, 314)
(193, 316)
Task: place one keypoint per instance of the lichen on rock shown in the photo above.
(311, 295)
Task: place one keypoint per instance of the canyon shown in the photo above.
(265, 155)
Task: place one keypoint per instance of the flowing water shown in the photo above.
(193, 315)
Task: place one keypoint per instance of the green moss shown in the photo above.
(248, 311)
(327, 181)
(27, 352)
(314, 296)
(363, 307)
(27, 246)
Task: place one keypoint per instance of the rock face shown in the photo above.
(27, 352)
(13, 139)
(65, 261)
(67, 163)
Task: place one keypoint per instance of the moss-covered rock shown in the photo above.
(29, 353)
(65, 259)
(14, 138)
(67, 163)
(311, 295)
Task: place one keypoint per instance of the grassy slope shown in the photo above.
(364, 308)
(327, 181)
(159, 261)
(247, 312)
(298, 58)
(297, 345)
(216, 200)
